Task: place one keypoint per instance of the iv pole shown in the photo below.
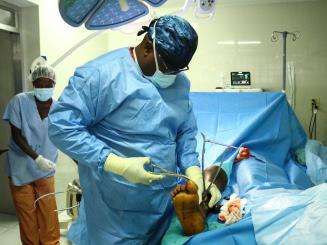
(284, 34)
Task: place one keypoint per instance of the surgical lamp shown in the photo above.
(202, 8)
(104, 14)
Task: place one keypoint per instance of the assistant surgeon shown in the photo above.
(121, 111)
(32, 156)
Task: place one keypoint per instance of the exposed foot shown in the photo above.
(187, 208)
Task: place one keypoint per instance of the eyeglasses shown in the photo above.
(169, 71)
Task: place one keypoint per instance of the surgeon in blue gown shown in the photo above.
(120, 112)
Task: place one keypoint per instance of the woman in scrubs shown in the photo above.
(32, 156)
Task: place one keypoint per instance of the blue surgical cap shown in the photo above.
(176, 40)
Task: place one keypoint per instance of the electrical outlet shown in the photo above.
(315, 101)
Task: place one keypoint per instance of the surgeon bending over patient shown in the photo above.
(121, 111)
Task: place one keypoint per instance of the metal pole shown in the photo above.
(284, 34)
(202, 161)
(284, 59)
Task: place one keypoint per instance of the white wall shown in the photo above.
(30, 39)
(256, 22)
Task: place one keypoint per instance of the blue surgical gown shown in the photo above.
(108, 106)
(22, 112)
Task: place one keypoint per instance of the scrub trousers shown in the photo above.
(37, 226)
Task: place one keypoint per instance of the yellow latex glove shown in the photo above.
(195, 174)
(131, 168)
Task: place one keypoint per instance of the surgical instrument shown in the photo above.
(168, 173)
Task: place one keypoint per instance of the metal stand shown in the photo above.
(284, 34)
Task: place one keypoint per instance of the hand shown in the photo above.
(243, 153)
(195, 174)
(45, 164)
(131, 168)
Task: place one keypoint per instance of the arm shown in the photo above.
(186, 143)
(13, 116)
(20, 140)
(83, 104)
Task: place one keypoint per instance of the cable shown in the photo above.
(48, 194)
(52, 193)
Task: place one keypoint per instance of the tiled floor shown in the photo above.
(9, 231)
(66, 172)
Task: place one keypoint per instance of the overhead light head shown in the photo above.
(205, 7)
(104, 14)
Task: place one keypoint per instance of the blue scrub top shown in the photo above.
(109, 106)
(22, 113)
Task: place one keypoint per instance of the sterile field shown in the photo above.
(163, 122)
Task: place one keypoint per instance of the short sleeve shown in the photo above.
(13, 113)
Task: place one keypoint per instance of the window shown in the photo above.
(7, 17)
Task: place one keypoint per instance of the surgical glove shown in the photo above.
(195, 174)
(131, 168)
(45, 164)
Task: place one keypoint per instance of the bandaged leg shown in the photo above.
(190, 213)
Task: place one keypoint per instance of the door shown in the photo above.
(9, 72)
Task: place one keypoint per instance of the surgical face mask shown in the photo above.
(43, 94)
(159, 78)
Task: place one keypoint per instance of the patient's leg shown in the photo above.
(187, 208)
(186, 202)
